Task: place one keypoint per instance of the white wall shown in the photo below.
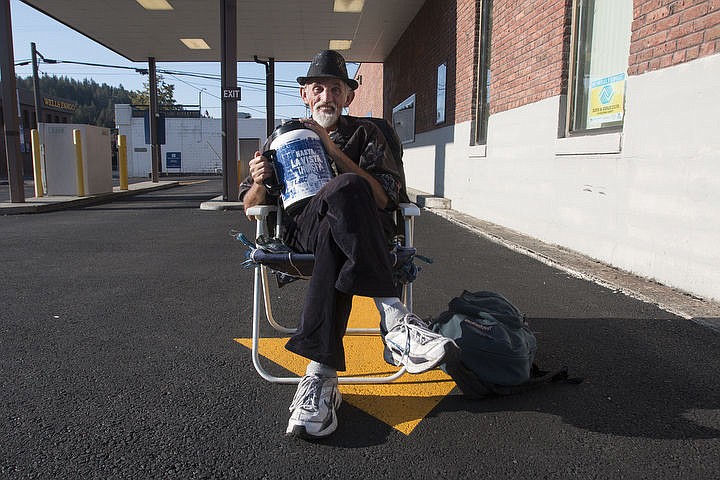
(645, 200)
(199, 141)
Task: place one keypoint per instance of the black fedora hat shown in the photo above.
(328, 64)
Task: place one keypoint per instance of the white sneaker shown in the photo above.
(314, 408)
(414, 345)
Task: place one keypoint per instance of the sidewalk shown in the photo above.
(59, 202)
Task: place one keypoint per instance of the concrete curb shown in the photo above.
(218, 203)
(61, 202)
(421, 199)
(428, 200)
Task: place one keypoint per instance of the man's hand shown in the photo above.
(321, 132)
(260, 170)
(344, 164)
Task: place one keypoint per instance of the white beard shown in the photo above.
(326, 120)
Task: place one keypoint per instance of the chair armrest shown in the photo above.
(409, 210)
(261, 212)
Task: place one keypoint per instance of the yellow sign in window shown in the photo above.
(607, 100)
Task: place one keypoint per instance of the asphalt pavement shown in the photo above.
(118, 360)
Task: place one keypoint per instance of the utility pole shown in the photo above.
(10, 107)
(36, 87)
(38, 104)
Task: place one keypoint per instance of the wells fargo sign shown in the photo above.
(59, 104)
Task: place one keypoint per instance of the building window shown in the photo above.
(482, 94)
(441, 89)
(403, 117)
(601, 46)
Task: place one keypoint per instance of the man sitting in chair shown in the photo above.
(343, 226)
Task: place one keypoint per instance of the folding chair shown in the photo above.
(298, 265)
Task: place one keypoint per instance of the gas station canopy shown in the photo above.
(190, 30)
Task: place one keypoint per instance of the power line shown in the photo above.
(251, 83)
(144, 71)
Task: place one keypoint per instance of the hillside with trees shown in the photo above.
(96, 102)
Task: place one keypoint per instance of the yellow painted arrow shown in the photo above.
(401, 404)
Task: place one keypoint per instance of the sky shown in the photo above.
(55, 41)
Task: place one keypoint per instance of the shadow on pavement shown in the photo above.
(635, 385)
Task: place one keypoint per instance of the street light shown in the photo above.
(200, 110)
(200, 100)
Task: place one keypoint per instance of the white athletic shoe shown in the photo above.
(414, 345)
(314, 408)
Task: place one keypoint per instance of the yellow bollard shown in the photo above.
(79, 173)
(122, 162)
(37, 163)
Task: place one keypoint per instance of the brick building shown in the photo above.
(590, 124)
(54, 110)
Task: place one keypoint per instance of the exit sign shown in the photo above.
(231, 94)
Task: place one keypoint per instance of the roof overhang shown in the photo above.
(286, 30)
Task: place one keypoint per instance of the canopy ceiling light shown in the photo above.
(195, 43)
(340, 44)
(155, 4)
(348, 6)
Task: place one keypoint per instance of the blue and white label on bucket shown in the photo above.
(302, 167)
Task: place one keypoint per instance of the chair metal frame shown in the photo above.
(261, 294)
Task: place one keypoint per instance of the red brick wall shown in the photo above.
(530, 51)
(466, 39)
(530, 45)
(668, 32)
(411, 68)
(369, 95)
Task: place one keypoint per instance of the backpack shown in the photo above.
(497, 346)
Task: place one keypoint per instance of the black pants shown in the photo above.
(342, 227)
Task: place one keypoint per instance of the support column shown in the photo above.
(228, 20)
(10, 106)
(153, 116)
(269, 92)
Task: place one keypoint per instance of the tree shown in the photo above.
(95, 102)
(165, 91)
